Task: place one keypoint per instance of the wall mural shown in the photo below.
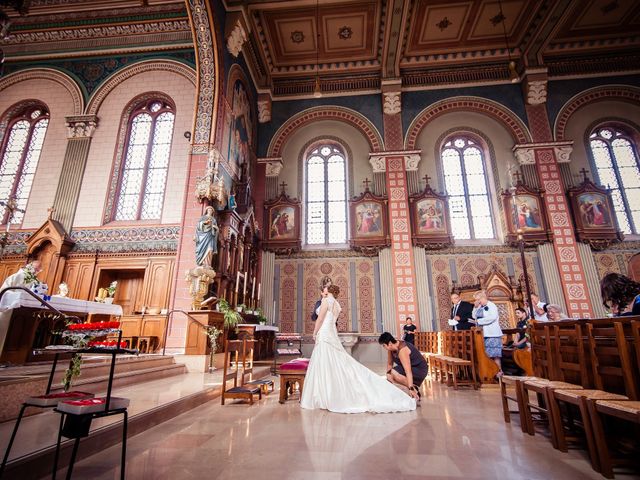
(239, 135)
(362, 294)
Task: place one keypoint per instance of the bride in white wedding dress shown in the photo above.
(335, 381)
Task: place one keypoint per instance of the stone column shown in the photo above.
(551, 275)
(547, 155)
(80, 129)
(387, 292)
(267, 275)
(422, 285)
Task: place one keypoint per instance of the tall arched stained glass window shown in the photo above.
(21, 149)
(326, 192)
(616, 161)
(144, 172)
(466, 184)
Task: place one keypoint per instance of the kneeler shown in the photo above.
(246, 392)
(247, 369)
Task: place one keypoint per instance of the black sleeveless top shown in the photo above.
(419, 365)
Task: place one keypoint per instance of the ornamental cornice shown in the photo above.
(525, 153)
(273, 166)
(81, 126)
(411, 160)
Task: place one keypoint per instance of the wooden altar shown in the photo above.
(264, 335)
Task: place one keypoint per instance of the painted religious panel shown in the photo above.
(369, 228)
(430, 219)
(239, 132)
(282, 217)
(524, 210)
(594, 215)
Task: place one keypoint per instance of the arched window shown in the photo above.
(326, 192)
(616, 161)
(21, 149)
(146, 161)
(466, 184)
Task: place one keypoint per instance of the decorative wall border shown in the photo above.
(502, 114)
(206, 46)
(47, 74)
(626, 93)
(315, 114)
(139, 67)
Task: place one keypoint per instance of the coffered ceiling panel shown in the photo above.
(488, 21)
(348, 32)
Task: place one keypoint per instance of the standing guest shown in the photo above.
(487, 316)
(409, 331)
(620, 294)
(539, 308)
(461, 312)
(324, 284)
(555, 313)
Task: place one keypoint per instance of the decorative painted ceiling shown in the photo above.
(355, 45)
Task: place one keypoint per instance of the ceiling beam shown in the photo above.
(395, 28)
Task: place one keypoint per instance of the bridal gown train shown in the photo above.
(335, 381)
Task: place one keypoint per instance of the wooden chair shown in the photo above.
(627, 411)
(543, 338)
(232, 351)
(247, 369)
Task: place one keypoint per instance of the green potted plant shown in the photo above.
(231, 317)
(262, 320)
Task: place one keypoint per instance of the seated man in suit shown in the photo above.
(326, 281)
(461, 311)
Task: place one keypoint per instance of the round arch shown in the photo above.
(625, 93)
(341, 114)
(69, 84)
(495, 110)
(134, 69)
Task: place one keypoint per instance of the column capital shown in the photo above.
(524, 152)
(535, 86)
(264, 108)
(81, 126)
(411, 160)
(273, 166)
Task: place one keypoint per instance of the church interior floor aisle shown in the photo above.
(452, 435)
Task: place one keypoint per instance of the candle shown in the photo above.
(237, 281)
(274, 312)
(253, 287)
(258, 298)
(244, 289)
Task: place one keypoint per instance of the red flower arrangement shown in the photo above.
(94, 326)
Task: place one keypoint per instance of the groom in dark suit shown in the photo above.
(326, 281)
(462, 312)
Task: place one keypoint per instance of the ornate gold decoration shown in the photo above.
(199, 279)
(211, 186)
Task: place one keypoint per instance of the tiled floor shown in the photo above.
(452, 435)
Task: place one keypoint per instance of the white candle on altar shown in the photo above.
(244, 289)
(258, 297)
(274, 312)
(237, 281)
(253, 287)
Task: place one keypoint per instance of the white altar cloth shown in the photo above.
(259, 328)
(17, 298)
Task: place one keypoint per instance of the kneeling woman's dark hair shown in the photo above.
(386, 338)
(334, 290)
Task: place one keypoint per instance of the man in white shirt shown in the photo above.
(538, 308)
(487, 316)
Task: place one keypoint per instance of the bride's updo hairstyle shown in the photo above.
(334, 290)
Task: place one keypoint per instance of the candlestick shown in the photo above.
(237, 281)
(274, 312)
(244, 289)
(258, 297)
(253, 287)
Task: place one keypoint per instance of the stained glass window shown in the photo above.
(466, 184)
(20, 154)
(616, 160)
(146, 161)
(326, 212)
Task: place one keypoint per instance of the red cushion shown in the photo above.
(298, 364)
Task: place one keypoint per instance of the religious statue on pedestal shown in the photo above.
(206, 238)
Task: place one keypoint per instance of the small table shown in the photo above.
(288, 378)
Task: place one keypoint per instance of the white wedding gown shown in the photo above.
(335, 381)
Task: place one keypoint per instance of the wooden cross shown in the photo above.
(50, 210)
(426, 179)
(366, 182)
(584, 172)
(517, 174)
(283, 186)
